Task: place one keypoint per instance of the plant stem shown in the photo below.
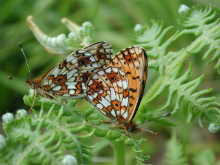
(119, 152)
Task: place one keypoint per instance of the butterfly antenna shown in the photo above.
(12, 78)
(156, 118)
(35, 95)
(152, 132)
(22, 50)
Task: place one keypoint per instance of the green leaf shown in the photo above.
(198, 21)
(174, 152)
(182, 92)
(46, 136)
(204, 158)
(169, 63)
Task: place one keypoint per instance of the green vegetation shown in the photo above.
(179, 81)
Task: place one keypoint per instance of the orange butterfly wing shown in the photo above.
(105, 90)
(117, 89)
(133, 62)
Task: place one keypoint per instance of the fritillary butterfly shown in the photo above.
(116, 90)
(68, 78)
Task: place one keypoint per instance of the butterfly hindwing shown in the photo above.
(106, 90)
(68, 77)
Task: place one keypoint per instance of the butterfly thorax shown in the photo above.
(36, 84)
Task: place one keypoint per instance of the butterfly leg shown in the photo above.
(54, 98)
(105, 122)
(35, 94)
(126, 132)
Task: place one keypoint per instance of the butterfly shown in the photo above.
(117, 88)
(68, 78)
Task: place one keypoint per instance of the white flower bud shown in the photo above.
(137, 27)
(7, 118)
(21, 113)
(2, 142)
(69, 160)
(213, 128)
(183, 9)
(87, 29)
(87, 24)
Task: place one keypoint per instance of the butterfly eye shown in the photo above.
(131, 129)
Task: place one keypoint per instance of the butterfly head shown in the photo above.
(132, 127)
(34, 83)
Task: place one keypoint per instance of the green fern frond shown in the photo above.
(46, 137)
(168, 62)
(182, 92)
(62, 44)
(202, 23)
(116, 136)
(204, 158)
(198, 21)
(175, 153)
(199, 18)
(152, 37)
(45, 140)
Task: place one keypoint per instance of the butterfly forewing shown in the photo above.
(123, 82)
(68, 77)
(133, 61)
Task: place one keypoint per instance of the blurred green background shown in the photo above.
(113, 21)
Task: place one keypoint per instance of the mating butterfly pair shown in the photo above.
(114, 86)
